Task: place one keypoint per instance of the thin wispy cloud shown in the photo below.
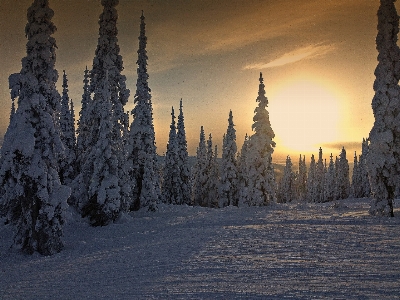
(294, 56)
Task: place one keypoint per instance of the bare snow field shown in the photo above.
(298, 251)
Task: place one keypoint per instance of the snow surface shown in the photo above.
(299, 251)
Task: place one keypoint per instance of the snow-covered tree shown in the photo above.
(362, 163)
(301, 180)
(342, 179)
(141, 142)
(242, 173)
(312, 195)
(356, 181)
(212, 176)
(171, 188)
(383, 159)
(106, 81)
(67, 126)
(83, 138)
(104, 199)
(229, 171)
(286, 190)
(319, 177)
(31, 195)
(330, 182)
(261, 177)
(185, 176)
(200, 172)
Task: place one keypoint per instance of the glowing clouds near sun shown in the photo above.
(293, 56)
(304, 115)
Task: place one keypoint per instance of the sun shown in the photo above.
(304, 115)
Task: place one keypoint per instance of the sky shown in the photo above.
(317, 59)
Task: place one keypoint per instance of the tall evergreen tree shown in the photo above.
(261, 177)
(229, 171)
(31, 194)
(185, 176)
(383, 157)
(107, 65)
(356, 181)
(243, 173)
(171, 189)
(212, 176)
(366, 187)
(104, 199)
(343, 180)
(67, 126)
(141, 143)
(330, 182)
(286, 190)
(312, 195)
(82, 140)
(320, 177)
(301, 180)
(200, 172)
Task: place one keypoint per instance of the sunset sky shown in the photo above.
(317, 58)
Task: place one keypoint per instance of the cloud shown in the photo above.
(308, 52)
(339, 145)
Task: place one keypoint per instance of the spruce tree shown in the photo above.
(330, 182)
(141, 142)
(286, 190)
(183, 163)
(319, 177)
(106, 81)
(312, 195)
(104, 198)
(366, 187)
(67, 126)
(261, 177)
(356, 181)
(171, 189)
(211, 176)
(243, 173)
(383, 157)
(343, 181)
(301, 180)
(229, 170)
(200, 172)
(31, 195)
(82, 140)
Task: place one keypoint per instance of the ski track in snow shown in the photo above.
(297, 251)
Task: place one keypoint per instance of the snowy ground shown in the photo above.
(284, 251)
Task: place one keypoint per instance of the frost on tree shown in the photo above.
(211, 176)
(301, 180)
(330, 182)
(286, 189)
(261, 178)
(383, 160)
(171, 188)
(343, 179)
(200, 173)
(82, 140)
(183, 156)
(104, 199)
(229, 171)
(106, 80)
(311, 182)
(141, 147)
(243, 174)
(319, 178)
(362, 163)
(31, 195)
(67, 126)
(356, 190)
